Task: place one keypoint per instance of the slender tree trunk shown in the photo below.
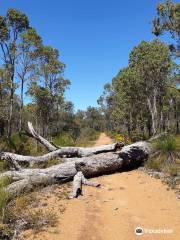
(57, 125)
(22, 105)
(11, 105)
(152, 104)
(176, 117)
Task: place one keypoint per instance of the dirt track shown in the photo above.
(125, 201)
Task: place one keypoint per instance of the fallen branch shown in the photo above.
(61, 153)
(40, 139)
(78, 181)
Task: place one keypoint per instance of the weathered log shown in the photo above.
(62, 152)
(52, 147)
(91, 166)
(78, 181)
(40, 139)
(77, 185)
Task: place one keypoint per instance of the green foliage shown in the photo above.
(21, 144)
(3, 29)
(135, 100)
(17, 20)
(166, 144)
(155, 164)
(87, 137)
(64, 140)
(168, 20)
(166, 158)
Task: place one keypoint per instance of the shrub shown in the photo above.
(87, 137)
(63, 140)
(166, 144)
(123, 138)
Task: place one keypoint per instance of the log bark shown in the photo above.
(78, 181)
(50, 147)
(77, 185)
(61, 153)
(91, 166)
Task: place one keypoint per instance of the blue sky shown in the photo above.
(94, 37)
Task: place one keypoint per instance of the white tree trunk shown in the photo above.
(151, 101)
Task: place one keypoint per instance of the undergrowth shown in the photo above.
(166, 155)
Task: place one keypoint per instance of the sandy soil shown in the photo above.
(125, 201)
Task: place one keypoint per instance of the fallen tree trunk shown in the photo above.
(62, 153)
(91, 166)
(57, 152)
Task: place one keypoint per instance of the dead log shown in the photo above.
(40, 139)
(82, 151)
(78, 181)
(77, 185)
(61, 153)
(91, 166)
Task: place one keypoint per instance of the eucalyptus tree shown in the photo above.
(107, 104)
(130, 102)
(29, 44)
(48, 91)
(153, 64)
(42, 100)
(11, 27)
(94, 119)
(3, 101)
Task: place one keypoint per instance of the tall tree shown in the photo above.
(48, 92)
(11, 26)
(153, 63)
(29, 44)
(129, 97)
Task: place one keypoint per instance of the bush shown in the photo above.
(122, 138)
(20, 144)
(87, 137)
(165, 158)
(166, 144)
(63, 140)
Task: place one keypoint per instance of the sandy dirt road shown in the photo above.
(125, 201)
